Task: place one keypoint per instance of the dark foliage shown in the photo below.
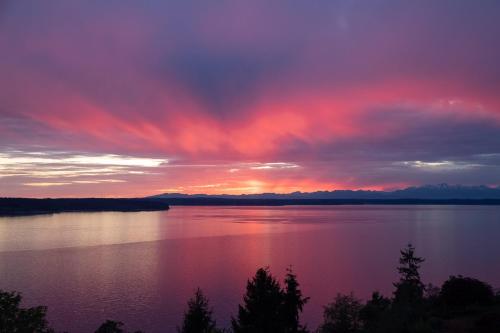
(262, 305)
(432, 295)
(408, 312)
(409, 288)
(198, 318)
(459, 291)
(342, 316)
(374, 312)
(293, 304)
(268, 308)
(487, 323)
(462, 305)
(110, 326)
(14, 319)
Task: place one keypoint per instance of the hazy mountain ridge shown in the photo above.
(439, 191)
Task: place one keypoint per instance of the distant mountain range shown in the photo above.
(426, 192)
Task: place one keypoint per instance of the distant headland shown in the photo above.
(25, 206)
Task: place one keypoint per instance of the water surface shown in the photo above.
(140, 268)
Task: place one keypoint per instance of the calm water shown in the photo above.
(141, 268)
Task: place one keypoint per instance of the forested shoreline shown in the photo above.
(27, 206)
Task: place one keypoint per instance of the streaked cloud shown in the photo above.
(274, 166)
(96, 181)
(53, 164)
(440, 165)
(46, 184)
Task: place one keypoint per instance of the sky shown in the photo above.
(131, 98)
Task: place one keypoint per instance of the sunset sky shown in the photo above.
(132, 98)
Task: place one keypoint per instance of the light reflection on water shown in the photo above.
(141, 268)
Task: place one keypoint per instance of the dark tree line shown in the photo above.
(461, 305)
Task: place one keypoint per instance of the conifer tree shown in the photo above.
(262, 305)
(293, 304)
(198, 317)
(409, 288)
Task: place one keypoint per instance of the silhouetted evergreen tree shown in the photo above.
(409, 288)
(198, 318)
(293, 304)
(14, 319)
(261, 311)
(342, 316)
(269, 308)
(407, 311)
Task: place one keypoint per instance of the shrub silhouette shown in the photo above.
(342, 316)
(198, 317)
(374, 312)
(13, 318)
(110, 326)
(459, 291)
